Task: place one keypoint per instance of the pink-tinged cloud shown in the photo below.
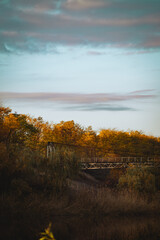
(78, 98)
(85, 4)
(119, 22)
(90, 21)
(112, 23)
(142, 91)
(9, 33)
(95, 53)
(153, 42)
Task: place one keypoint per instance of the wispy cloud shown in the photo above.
(99, 107)
(96, 53)
(82, 101)
(85, 4)
(143, 91)
(40, 26)
(79, 97)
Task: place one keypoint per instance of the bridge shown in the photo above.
(92, 162)
(121, 162)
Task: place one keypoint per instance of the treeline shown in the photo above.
(33, 188)
(25, 132)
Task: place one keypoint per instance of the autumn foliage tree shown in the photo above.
(133, 143)
(67, 132)
(22, 131)
(23, 141)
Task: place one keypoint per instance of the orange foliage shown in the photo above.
(35, 133)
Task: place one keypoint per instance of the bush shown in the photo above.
(20, 188)
(113, 177)
(139, 179)
(8, 171)
(62, 166)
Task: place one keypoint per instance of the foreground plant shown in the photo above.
(47, 234)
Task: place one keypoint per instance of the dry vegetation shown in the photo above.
(34, 189)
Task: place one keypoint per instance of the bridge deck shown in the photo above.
(98, 165)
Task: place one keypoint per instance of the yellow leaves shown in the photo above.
(35, 133)
(67, 132)
(88, 139)
(11, 122)
(4, 112)
(47, 234)
(8, 125)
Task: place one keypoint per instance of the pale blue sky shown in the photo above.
(97, 63)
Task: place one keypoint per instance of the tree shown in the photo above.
(67, 132)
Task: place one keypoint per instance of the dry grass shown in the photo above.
(27, 217)
(111, 228)
(92, 200)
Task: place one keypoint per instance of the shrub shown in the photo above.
(139, 179)
(20, 188)
(8, 171)
(64, 165)
(113, 177)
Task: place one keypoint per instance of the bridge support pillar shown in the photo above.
(50, 151)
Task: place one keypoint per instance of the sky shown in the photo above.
(96, 62)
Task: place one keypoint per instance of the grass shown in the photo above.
(111, 228)
(104, 201)
(29, 216)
